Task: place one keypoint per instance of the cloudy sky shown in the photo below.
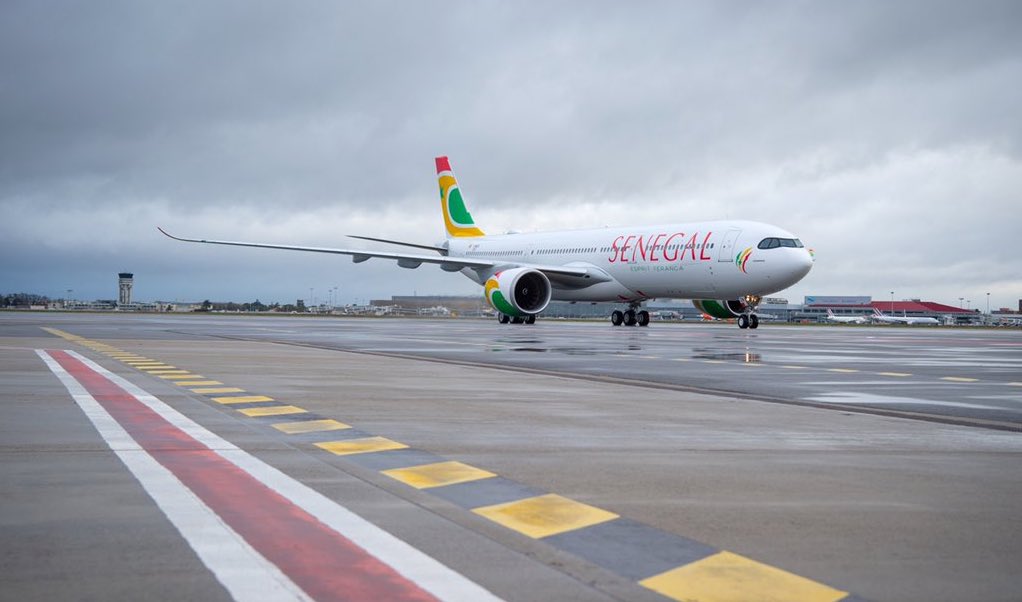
(887, 135)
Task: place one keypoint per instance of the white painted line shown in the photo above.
(245, 573)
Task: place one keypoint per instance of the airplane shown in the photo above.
(847, 319)
(725, 266)
(878, 315)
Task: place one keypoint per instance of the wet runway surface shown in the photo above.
(972, 375)
(593, 463)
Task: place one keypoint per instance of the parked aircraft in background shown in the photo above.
(725, 266)
(880, 316)
(847, 319)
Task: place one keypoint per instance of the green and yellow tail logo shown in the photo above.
(457, 219)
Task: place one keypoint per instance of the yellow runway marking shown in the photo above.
(438, 475)
(545, 515)
(207, 390)
(360, 446)
(727, 577)
(197, 383)
(184, 376)
(959, 379)
(894, 374)
(272, 411)
(844, 370)
(164, 371)
(242, 399)
(310, 426)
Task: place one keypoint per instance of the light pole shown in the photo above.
(892, 303)
(960, 300)
(988, 304)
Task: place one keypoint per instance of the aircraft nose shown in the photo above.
(808, 259)
(805, 261)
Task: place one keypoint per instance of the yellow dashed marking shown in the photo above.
(207, 390)
(158, 371)
(144, 364)
(242, 399)
(360, 446)
(197, 383)
(844, 370)
(959, 379)
(183, 376)
(310, 426)
(545, 515)
(272, 411)
(727, 577)
(894, 374)
(438, 475)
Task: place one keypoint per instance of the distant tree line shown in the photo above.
(256, 305)
(23, 299)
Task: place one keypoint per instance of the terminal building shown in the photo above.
(816, 306)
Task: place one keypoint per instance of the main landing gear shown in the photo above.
(506, 319)
(633, 316)
(748, 321)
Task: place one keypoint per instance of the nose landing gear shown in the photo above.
(748, 321)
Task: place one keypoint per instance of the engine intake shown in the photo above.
(518, 292)
(722, 310)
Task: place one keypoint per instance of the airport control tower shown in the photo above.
(124, 282)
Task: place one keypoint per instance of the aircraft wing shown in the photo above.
(414, 260)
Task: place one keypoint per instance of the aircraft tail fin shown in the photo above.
(457, 220)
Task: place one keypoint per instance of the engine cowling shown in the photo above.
(518, 292)
(722, 310)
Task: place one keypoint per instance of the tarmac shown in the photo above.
(567, 461)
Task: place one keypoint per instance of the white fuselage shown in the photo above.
(700, 260)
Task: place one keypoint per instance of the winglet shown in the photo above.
(166, 234)
(169, 235)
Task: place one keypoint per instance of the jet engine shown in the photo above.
(518, 292)
(722, 310)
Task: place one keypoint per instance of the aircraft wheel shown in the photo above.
(517, 320)
(530, 319)
(753, 321)
(616, 317)
(503, 318)
(642, 318)
(630, 317)
(743, 321)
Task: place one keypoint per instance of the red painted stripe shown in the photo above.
(325, 564)
(442, 165)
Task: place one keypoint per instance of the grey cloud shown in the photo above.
(223, 118)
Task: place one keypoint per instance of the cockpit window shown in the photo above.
(773, 243)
